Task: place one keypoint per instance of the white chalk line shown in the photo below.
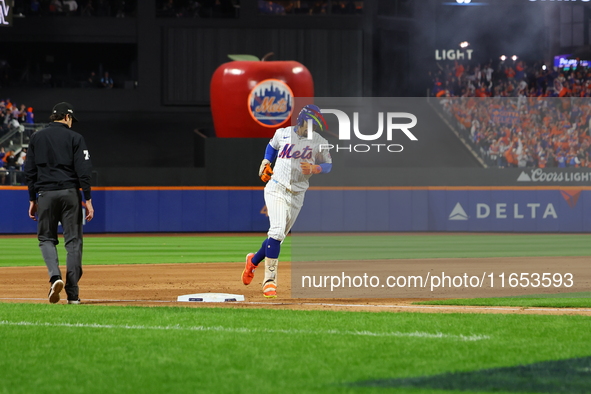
(86, 299)
(453, 307)
(386, 306)
(241, 330)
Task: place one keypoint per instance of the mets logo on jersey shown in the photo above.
(270, 103)
(289, 153)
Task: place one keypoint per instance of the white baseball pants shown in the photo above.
(283, 207)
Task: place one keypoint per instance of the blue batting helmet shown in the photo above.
(312, 112)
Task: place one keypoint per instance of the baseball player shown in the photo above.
(297, 153)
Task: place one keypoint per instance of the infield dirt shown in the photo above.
(161, 284)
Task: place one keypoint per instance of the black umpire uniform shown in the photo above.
(57, 166)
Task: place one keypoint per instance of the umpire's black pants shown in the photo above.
(63, 206)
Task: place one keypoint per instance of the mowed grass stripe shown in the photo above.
(139, 250)
(424, 246)
(578, 300)
(191, 249)
(415, 334)
(246, 359)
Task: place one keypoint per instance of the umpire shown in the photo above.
(57, 166)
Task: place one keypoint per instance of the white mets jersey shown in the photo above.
(292, 151)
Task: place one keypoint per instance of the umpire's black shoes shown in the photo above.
(54, 291)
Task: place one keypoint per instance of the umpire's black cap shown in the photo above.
(64, 109)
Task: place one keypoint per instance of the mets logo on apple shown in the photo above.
(270, 103)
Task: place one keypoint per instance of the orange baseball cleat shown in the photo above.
(248, 273)
(270, 290)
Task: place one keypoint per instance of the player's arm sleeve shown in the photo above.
(326, 167)
(83, 166)
(324, 160)
(31, 172)
(271, 153)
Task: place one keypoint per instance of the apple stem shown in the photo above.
(268, 55)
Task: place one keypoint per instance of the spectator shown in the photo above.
(106, 81)
(10, 164)
(14, 112)
(459, 70)
(519, 71)
(56, 7)
(13, 124)
(22, 113)
(70, 7)
(34, 8)
(30, 117)
(3, 172)
(494, 151)
(20, 158)
(488, 74)
(91, 81)
(560, 159)
(572, 159)
(268, 7)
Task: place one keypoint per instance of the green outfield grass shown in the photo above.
(140, 249)
(200, 249)
(433, 246)
(107, 349)
(564, 300)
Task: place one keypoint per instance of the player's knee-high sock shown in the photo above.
(260, 255)
(273, 248)
(269, 248)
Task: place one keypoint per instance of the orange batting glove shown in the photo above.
(266, 173)
(265, 170)
(308, 168)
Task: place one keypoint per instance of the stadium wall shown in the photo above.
(327, 209)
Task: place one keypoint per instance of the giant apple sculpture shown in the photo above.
(252, 98)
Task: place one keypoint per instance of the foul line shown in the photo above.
(89, 300)
(415, 334)
(453, 307)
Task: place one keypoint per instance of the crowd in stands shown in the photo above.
(13, 119)
(98, 8)
(520, 116)
(93, 81)
(181, 8)
(535, 132)
(42, 75)
(510, 79)
(313, 7)
(198, 8)
(10, 111)
(230, 8)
